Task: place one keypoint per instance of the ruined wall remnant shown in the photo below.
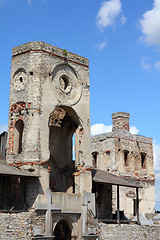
(129, 156)
(120, 121)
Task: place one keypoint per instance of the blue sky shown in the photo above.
(121, 38)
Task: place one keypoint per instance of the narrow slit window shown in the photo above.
(126, 163)
(143, 160)
(94, 159)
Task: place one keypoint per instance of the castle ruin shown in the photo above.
(58, 197)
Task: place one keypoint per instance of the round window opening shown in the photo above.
(64, 84)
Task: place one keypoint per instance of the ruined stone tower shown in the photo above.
(49, 103)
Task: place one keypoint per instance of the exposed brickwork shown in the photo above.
(17, 112)
(120, 121)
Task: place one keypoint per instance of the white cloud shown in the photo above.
(133, 130)
(99, 128)
(123, 20)
(156, 155)
(157, 190)
(102, 45)
(157, 65)
(108, 12)
(158, 176)
(3, 127)
(150, 25)
(145, 65)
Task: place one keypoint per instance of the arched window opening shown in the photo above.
(62, 231)
(94, 159)
(63, 123)
(18, 136)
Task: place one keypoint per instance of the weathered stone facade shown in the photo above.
(20, 225)
(130, 156)
(49, 104)
(50, 195)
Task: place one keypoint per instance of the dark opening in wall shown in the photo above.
(63, 123)
(94, 159)
(62, 231)
(12, 193)
(3, 141)
(18, 135)
(126, 162)
(134, 207)
(143, 160)
(31, 73)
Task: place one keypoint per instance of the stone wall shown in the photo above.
(111, 147)
(42, 78)
(129, 156)
(19, 225)
(128, 232)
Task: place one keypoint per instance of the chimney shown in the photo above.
(120, 121)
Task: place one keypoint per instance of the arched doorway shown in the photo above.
(63, 122)
(62, 231)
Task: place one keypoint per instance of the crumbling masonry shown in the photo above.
(47, 193)
(49, 103)
(129, 156)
